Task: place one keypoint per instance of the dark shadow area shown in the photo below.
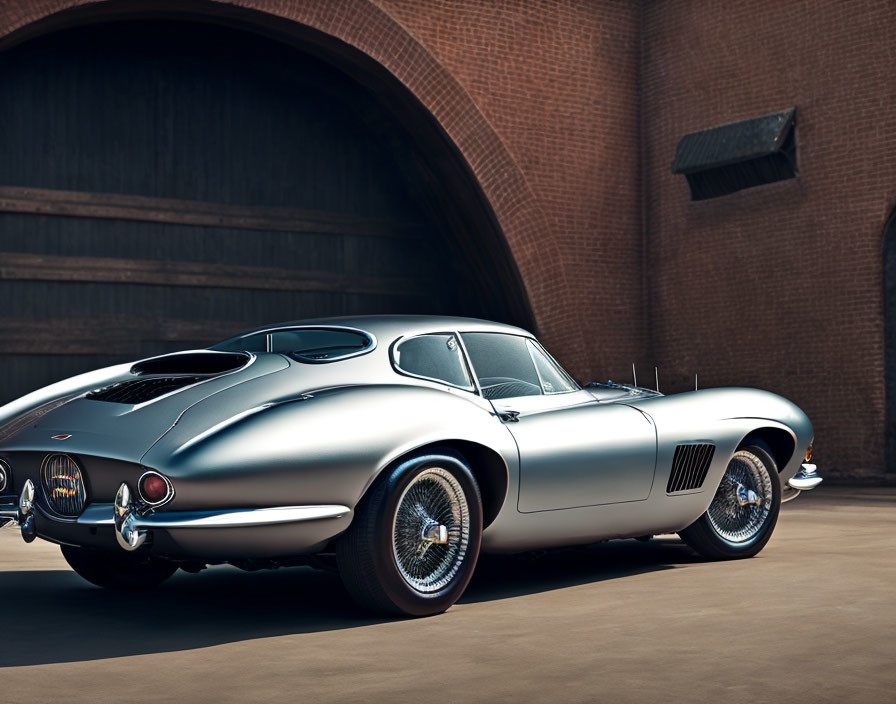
(53, 616)
(508, 576)
(282, 173)
(889, 265)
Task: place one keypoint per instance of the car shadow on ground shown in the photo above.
(53, 616)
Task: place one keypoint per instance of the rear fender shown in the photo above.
(326, 447)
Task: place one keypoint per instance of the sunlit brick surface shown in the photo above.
(777, 286)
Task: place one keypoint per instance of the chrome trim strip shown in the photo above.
(241, 518)
(101, 515)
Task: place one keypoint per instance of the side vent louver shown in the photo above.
(141, 390)
(689, 467)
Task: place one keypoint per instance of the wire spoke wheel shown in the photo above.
(431, 530)
(743, 502)
(413, 543)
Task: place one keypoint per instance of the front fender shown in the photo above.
(724, 417)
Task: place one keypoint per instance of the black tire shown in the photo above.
(125, 572)
(710, 539)
(367, 554)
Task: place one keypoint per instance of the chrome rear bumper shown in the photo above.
(132, 528)
(132, 523)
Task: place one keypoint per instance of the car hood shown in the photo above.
(124, 431)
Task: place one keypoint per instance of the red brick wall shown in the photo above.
(778, 286)
(557, 80)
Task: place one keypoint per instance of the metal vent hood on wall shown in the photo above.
(738, 155)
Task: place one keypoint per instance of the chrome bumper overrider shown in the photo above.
(804, 480)
(21, 514)
(807, 478)
(132, 524)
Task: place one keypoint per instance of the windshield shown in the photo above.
(309, 345)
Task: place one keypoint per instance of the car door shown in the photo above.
(574, 451)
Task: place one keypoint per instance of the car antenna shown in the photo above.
(656, 374)
(634, 374)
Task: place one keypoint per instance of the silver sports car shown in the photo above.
(396, 447)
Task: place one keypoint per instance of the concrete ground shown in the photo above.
(811, 619)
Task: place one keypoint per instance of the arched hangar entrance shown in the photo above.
(165, 183)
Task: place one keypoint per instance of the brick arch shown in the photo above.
(362, 26)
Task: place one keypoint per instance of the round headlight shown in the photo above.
(5, 475)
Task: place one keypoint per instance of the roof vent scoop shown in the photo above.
(198, 363)
(160, 376)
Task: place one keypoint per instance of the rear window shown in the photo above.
(309, 345)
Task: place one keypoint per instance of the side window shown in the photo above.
(553, 379)
(502, 364)
(437, 357)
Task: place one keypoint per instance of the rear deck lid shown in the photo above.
(122, 420)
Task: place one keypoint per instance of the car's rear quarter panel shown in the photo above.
(327, 449)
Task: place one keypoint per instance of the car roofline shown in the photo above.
(392, 326)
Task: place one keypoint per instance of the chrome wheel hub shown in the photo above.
(743, 501)
(746, 496)
(435, 533)
(431, 530)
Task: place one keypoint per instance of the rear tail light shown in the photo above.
(155, 489)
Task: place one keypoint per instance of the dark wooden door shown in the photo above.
(164, 185)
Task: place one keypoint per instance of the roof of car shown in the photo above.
(396, 325)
